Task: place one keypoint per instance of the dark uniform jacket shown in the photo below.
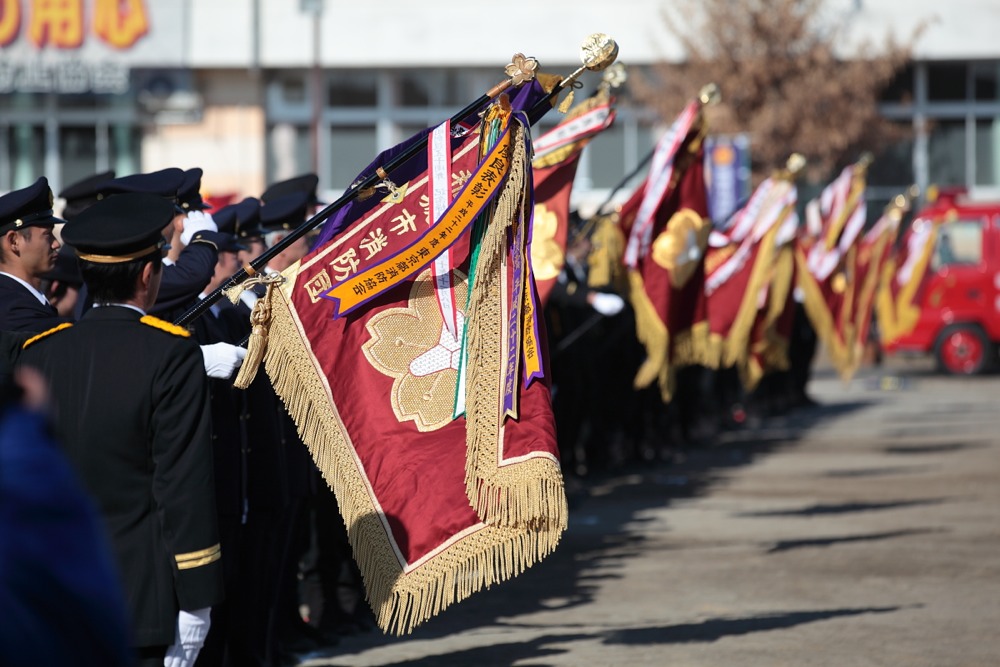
(130, 405)
(21, 311)
(185, 279)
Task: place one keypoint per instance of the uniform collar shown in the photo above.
(34, 292)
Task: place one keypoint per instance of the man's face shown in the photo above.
(226, 265)
(37, 248)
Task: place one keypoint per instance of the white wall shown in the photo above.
(435, 33)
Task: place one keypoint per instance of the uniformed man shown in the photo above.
(130, 406)
(196, 252)
(28, 249)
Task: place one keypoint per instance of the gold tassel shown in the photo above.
(260, 319)
(567, 102)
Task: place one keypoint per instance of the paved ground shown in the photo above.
(864, 532)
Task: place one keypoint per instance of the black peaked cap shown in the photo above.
(286, 212)
(164, 183)
(86, 188)
(189, 193)
(28, 207)
(305, 183)
(119, 226)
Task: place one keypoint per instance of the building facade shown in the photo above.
(257, 90)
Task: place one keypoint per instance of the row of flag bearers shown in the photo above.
(407, 363)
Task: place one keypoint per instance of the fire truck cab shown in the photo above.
(959, 299)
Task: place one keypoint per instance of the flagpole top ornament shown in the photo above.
(710, 94)
(598, 52)
(796, 162)
(521, 69)
(865, 161)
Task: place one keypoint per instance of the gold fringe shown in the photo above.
(822, 319)
(738, 339)
(770, 354)
(401, 600)
(696, 346)
(530, 493)
(897, 316)
(652, 333)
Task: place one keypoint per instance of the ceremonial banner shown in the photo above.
(902, 278)
(557, 155)
(827, 266)
(740, 268)
(873, 252)
(437, 437)
(665, 253)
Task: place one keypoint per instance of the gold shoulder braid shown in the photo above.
(35, 339)
(163, 325)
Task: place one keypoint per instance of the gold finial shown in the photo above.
(521, 69)
(598, 52)
(796, 162)
(710, 94)
(864, 162)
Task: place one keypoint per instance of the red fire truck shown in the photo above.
(959, 298)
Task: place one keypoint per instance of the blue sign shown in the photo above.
(727, 160)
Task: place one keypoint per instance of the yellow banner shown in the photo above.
(410, 261)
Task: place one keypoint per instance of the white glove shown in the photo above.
(607, 304)
(192, 628)
(197, 221)
(221, 359)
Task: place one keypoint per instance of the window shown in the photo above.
(78, 153)
(351, 149)
(984, 81)
(946, 82)
(946, 152)
(960, 242)
(605, 155)
(289, 151)
(352, 89)
(900, 89)
(987, 149)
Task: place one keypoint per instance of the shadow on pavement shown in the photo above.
(940, 448)
(788, 545)
(844, 508)
(605, 509)
(717, 628)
